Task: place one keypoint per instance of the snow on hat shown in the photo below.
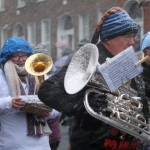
(14, 45)
(145, 42)
(114, 22)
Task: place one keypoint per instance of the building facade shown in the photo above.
(50, 21)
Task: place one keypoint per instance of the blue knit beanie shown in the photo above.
(14, 45)
(145, 42)
(114, 22)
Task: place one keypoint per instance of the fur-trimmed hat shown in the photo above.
(14, 45)
(41, 48)
(114, 22)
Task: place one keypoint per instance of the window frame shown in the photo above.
(47, 42)
(21, 3)
(31, 32)
(82, 27)
(2, 6)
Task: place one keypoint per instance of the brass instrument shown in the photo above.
(124, 106)
(38, 65)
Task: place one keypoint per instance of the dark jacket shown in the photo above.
(87, 132)
(145, 78)
(142, 85)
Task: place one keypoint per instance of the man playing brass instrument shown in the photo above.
(117, 31)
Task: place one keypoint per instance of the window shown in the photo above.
(4, 35)
(18, 31)
(65, 32)
(40, 1)
(2, 5)
(46, 33)
(83, 26)
(21, 3)
(31, 33)
(101, 12)
(135, 11)
(67, 23)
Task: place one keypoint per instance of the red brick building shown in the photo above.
(49, 21)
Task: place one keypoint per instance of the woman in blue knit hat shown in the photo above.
(19, 130)
(116, 31)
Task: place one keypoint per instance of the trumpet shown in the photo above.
(124, 105)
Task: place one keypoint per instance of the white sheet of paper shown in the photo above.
(120, 68)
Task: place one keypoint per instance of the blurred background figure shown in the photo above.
(65, 48)
(64, 119)
(137, 43)
(65, 51)
(53, 120)
(82, 42)
(55, 137)
(42, 48)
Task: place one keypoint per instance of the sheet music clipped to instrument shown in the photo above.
(120, 68)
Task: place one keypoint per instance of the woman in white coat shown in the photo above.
(17, 128)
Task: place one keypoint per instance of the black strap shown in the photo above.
(145, 105)
(141, 91)
(95, 37)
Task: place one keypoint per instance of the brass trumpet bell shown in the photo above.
(38, 64)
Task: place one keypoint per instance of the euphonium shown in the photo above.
(124, 106)
(38, 65)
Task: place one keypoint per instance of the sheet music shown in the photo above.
(120, 68)
(30, 99)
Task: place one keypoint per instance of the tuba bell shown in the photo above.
(124, 106)
(38, 65)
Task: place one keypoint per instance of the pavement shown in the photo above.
(64, 138)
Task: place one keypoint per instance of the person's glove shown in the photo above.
(98, 102)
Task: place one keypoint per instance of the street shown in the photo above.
(64, 138)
